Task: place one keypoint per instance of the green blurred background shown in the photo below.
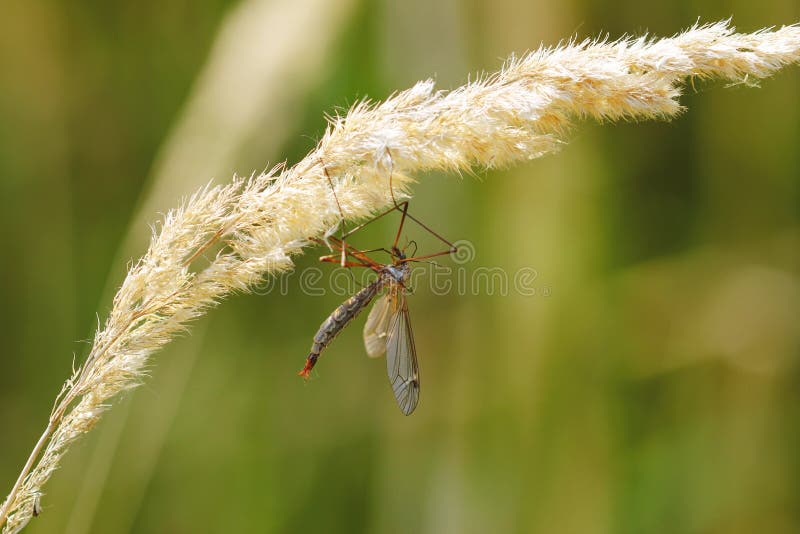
(650, 384)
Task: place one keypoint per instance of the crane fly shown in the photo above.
(388, 327)
(37, 504)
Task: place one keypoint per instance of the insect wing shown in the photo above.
(377, 325)
(401, 355)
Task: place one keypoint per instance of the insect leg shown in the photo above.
(341, 213)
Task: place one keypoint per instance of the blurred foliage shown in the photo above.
(650, 384)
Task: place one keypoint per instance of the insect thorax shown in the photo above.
(397, 273)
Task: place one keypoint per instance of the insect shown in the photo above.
(37, 504)
(388, 327)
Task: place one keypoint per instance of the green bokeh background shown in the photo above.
(650, 384)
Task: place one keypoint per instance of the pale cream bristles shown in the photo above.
(227, 238)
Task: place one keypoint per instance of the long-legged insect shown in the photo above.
(37, 505)
(388, 328)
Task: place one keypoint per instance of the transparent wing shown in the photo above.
(377, 325)
(401, 355)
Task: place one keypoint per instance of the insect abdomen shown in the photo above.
(336, 321)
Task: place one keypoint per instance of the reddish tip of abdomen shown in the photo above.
(306, 371)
